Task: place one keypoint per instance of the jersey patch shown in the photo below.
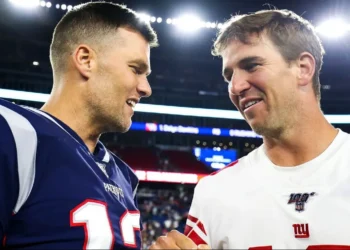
(299, 199)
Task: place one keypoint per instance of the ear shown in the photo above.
(307, 66)
(84, 60)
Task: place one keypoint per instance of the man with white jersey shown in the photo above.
(60, 188)
(293, 191)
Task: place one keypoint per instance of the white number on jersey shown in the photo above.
(93, 216)
(129, 222)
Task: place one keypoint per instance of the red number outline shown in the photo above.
(83, 224)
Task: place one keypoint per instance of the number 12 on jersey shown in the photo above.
(93, 216)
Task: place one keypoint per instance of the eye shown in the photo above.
(251, 67)
(228, 78)
(136, 70)
(228, 75)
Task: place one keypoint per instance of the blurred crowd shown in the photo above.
(163, 210)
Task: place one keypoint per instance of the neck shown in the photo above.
(68, 108)
(307, 139)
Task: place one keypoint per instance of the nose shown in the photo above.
(144, 88)
(238, 84)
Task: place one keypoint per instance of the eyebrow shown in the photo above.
(242, 63)
(142, 65)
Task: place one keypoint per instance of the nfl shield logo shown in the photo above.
(300, 200)
(299, 206)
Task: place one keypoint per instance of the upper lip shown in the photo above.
(244, 101)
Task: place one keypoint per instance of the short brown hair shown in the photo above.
(91, 22)
(290, 33)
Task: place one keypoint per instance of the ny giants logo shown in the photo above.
(300, 199)
(301, 230)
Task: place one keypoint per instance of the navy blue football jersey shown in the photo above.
(55, 194)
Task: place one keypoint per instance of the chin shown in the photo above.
(268, 131)
(258, 128)
(125, 127)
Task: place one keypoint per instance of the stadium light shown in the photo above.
(25, 3)
(188, 22)
(191, 22)
(144, 17)
(35, 63)
(333, 28)
(162, 109)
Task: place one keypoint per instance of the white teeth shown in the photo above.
(251, 103)
(131, 103)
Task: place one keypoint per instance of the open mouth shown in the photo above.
(131, 103)
(250, 104)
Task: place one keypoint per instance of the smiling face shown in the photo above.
(262, 85)
(120, 80)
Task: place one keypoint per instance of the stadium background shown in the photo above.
(162, 147)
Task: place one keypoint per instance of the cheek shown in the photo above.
(126, 80)
(119, 84)
(260, 79)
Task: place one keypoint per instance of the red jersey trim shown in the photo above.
(198, 222)
(195, 237)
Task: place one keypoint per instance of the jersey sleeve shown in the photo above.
(9, 184)
(18, 146)
(195, 228)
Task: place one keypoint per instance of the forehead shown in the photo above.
(258, 47)
(131, 44)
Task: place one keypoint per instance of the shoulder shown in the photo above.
(24, 119)
(9, 108)
(227, 176)
(15, 125)
(344, 135)
(29, 121)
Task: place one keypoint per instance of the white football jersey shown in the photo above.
(254, 203)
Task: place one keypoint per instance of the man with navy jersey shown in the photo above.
(60, 188)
